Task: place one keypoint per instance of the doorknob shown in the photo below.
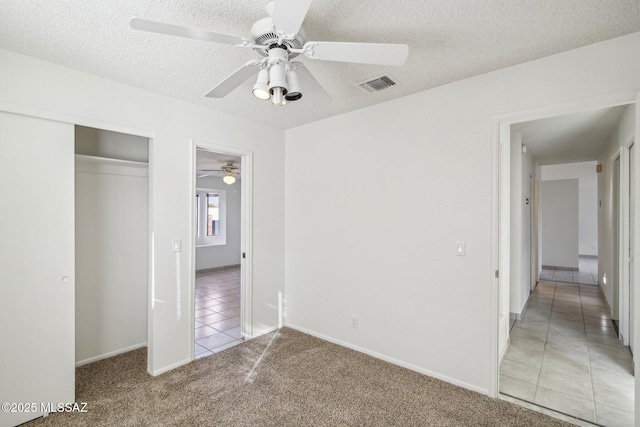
(66, 279)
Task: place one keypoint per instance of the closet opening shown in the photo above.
(112, 243)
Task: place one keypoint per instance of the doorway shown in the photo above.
(221, 247)
(546, 308)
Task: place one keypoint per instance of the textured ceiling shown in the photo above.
(572, 138)
(448, 41)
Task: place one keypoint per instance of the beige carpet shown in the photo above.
(298, 381)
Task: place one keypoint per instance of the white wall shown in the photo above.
(114, 145)
(623, 134)
(229, 253)
(520, 280)
(559, 222)
(585, 172)
(40, 88)
(357, 243)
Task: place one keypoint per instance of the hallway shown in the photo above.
(564, 355)
(587, 273)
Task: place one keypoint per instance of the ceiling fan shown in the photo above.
(230, 170)
(279, 38)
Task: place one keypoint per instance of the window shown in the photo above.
(210, 217)
(213, 214)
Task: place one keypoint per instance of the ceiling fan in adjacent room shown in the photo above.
(279, 38)
(229, 170)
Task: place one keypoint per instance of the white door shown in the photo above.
(36, 266)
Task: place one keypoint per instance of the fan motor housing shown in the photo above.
(263, 34)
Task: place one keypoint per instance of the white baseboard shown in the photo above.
(170, 367)
(110, 354)
(392, 360)
(263, 331)
(186, 361)
(504, 351)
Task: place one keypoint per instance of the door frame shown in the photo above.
(617, 204)
(246, 233)
(624, 239)
(535, 230)
(630, 284)
(500, 258)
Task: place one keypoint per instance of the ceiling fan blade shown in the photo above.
(311, 88)
(361, 53)
(191, 33)
(288, 15)
(234, 80)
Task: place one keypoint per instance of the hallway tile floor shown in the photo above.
(217, 311)
(587, 273)
(564, 355)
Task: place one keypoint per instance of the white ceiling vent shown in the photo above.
(377, 84)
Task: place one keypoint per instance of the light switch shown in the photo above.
(460, 248)
(176, 244)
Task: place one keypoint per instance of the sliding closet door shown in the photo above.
(36, 266)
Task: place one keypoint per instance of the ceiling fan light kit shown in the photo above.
(230, 170)
(294, 92)
(279, 38)
(278, 61)
(261, 88)
(229, 179)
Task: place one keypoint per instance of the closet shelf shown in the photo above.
(111, 161)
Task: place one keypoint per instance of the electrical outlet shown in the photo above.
(355, 322)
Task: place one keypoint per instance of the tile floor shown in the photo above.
(217, 311)
(564, 355)
(587, 273)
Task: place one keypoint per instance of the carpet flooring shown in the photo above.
(285, 378)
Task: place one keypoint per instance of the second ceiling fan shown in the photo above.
(279, 38)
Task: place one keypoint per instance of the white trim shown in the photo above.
(246, 237)
(110, 354)
(623, 243)
(258, 332)
(151, 258)
(499, 124)
(390, 360)
(246, 231)
(216, 240)
(506, 348)
(494, 226)
(614, 99)
(502, 208)
(172, 366)
(616, 154)
(75, 120)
